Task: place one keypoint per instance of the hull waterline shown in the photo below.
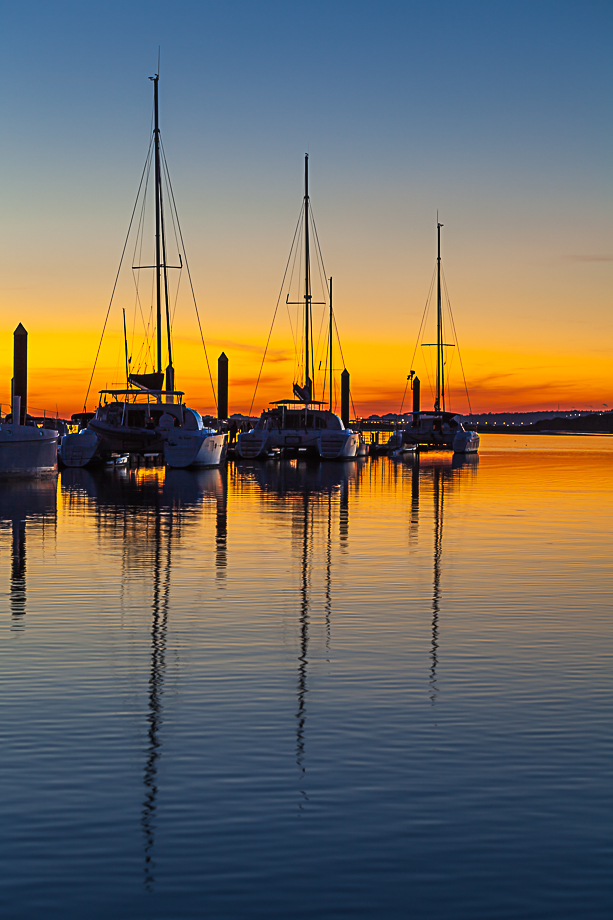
(27, 451)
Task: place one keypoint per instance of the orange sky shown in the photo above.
(511, 150)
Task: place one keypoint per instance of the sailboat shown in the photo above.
(438, 429)
(301, 423)
(146, 416)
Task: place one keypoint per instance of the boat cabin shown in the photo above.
(439, 422)
(305, 418)
(149, 412)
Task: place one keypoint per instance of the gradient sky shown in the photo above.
(498, 114)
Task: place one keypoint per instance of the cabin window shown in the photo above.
(136, 418)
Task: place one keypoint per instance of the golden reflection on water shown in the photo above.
(326, 565)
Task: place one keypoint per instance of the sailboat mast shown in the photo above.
(307, 284)
(439, 403)
(158, 189)
(330, 344)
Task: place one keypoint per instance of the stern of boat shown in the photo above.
(466, 442)
(79, 449)
(338, 445)
(194, 448)
(252, 444)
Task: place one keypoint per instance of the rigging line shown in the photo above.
(340, 348)
(135, 277)
(289, 315)
(406, 386)
(289, 312)
(317, 239)
(321, 260)
(319, 334)
(174, 230)
(455, 335)
(167, 180)
(323, 288)
(299, 351)
(189, 275)
(123, 251)
(174, 309)
(424, 315)
(274, 315)
(323, 393)
(145, 345)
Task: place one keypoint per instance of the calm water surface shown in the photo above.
(373, 689)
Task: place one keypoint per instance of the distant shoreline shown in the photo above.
(486, 429)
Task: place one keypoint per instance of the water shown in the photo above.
(376, 689)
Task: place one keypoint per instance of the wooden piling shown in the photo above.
(416, 400)
(345, 398)
(222, 387)
(20, 371)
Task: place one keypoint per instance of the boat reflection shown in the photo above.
(315, 495)
(24, 503)
(299, 476)
(150, 509)
(443, 476)
(159, 626)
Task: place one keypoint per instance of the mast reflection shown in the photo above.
(304, 643)
(315, 493)
(444, 475)
(149, 508)
(221, 527)
(23, 503)
(159, 627)
(18, 573)
(439, 499)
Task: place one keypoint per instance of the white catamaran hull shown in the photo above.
(251, 445)
(194, 448)
(338, 445)
(466, 442)
(79, 449)
(27, 451)
(329, 445)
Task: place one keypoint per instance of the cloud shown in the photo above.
(273, 354)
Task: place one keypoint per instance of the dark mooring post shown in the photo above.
(345, 398)
(222, 387)
(20, 371)
(416, 398)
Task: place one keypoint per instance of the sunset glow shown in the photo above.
(511, 151)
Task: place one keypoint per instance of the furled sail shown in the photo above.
(305, 393)
(147, 381)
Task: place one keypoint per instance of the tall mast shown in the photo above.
(439, 403)
(330, 344)
(307, 285)
(158, 191)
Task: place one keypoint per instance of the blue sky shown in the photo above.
(497, 113)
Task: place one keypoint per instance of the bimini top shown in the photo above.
(141, 392)
(296, 402)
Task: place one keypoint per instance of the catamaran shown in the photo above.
(146, 416)
(438, 429)
(302, 423)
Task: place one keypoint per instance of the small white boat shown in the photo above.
(118, 461)
(79, 449)
(26, 450)
(401, 452)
